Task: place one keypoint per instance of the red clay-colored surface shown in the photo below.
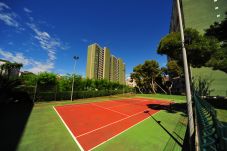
(95, 123)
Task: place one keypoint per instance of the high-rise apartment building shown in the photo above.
(113, 69)
(199, 15)
(102, 65)
(121, 71)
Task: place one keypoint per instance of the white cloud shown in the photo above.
(10, 43)
(46, 42)
(28, 63)
(27, 10)
(7, 16)
(84, 40)
(17, 57)
(3, 6)
(41, 67)
(9, 19)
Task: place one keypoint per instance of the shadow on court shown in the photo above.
(13, 119)
(159, 123)
(170, 108)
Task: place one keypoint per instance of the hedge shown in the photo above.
(53, 96)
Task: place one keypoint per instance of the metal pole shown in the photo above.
(36, 84)
(186, 74)
(75, 58)
(123, 82)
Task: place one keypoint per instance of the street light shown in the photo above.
(75, 58)
(187, 81)
(123, 81)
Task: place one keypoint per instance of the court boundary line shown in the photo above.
(109, 109)
(109, 124)
(129, 103)
(74, 138)
(122, 132)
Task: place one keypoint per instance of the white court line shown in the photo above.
(109, 124)
(127, 104)
(109, 109)
(74, 138)
(121, 132)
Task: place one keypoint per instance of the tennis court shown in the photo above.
(93, 124)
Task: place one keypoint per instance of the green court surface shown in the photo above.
(45, 131)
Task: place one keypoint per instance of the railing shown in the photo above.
(212, 134)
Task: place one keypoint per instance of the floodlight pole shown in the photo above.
(75, 58)
(187, 81)
(123, 82)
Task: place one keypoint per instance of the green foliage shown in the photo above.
(145, 76)
(46, 79)
(219, 58)
(53, 87)
(29, 79)
(170, 45)
(66, 95)
(8, 87)
(173, 69)
(7, 67)
(202, 85)
(199, 48)
(218, 30)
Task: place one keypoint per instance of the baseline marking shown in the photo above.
(122, 132)
(109, 109)
(128, 104)
(109, 124)
(74, 138)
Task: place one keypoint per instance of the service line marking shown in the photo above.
(109, 109)
(110, 124)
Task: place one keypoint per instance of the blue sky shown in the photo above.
(44, 35)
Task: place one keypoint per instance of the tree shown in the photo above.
(219, 58)
(46, 81)
(8, 67)
(29, 79)
(199, 48)
(173, 69)
(145, 76)
(218, 30)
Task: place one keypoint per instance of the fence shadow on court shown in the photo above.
(13, 119)
(169, 133)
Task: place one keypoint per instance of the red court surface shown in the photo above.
(92, 124)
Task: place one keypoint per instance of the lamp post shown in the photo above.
(123, 81)
(187, 81)
(75, 58)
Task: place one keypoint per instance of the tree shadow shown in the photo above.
(13, 118)
(217, 102)
(170, 108)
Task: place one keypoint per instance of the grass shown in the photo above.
(45, 131)
(221, 114)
